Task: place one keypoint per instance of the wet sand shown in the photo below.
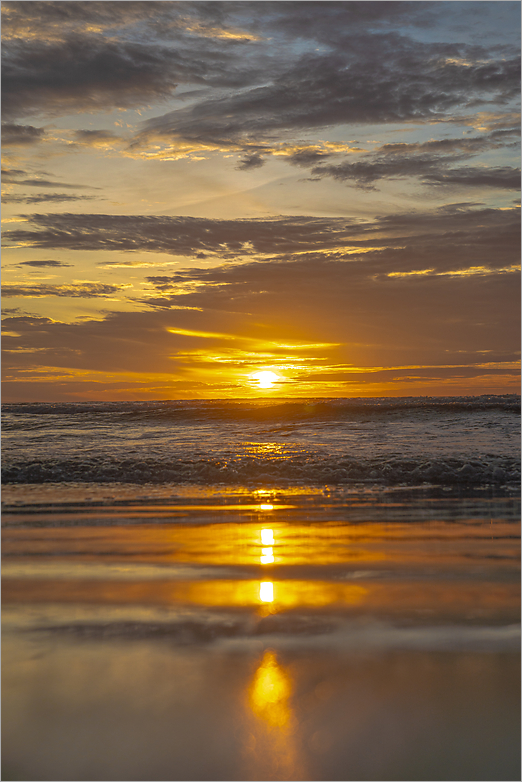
(260, 636)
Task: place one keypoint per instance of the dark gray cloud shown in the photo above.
(186, 235)
(376, 78)
(251, 161)
(306, 158)
(45, 197)
(429, 170)
(431, 162)
(86, 290)
(99, 56)
(44, 264)
(351, 64)
(155, 19)
(93, 137)
(467, 176)
(52, 17)
(20, 135)
(455, 236)
(328, 22)
(9, 176)
(9, 173)
(447, 146)
(365, 172)
(82, 73)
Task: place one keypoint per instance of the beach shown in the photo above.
(261, 461)
(268, 629)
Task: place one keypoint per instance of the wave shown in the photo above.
(276, 408)
(245, 469)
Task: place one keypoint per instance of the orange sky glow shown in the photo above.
(230, 201)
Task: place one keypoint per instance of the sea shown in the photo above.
(262, 589)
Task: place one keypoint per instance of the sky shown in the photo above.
(195, 193)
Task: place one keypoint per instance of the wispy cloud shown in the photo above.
(40, 198)
(84, 290)
(20, 135)
(463, 226)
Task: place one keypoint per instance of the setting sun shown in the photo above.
(266, 379)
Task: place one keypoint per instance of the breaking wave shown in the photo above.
(270, 470)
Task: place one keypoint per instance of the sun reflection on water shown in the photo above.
(266, 592)
(267, 555)
(271, 746)
(270, 691)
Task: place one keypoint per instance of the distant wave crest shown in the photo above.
(289, 409)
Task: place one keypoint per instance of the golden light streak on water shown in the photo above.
(270, 691)
(274, 596)
(226, 543)
(360, 545)
(267, 555)
(282, 595)
(266, 592)
(271, 749)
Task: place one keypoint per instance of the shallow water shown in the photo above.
(161, 632)
(310, 590)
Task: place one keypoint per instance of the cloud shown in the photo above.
(9, 177)
(313, 311)
(373, 78)
(45, 197)
(83, 73)
(20, 135)
(503, 177)
(468, 229)
(185, 235)
(430, 170)
(489, 121)
(86, 290)
(43, 264)
(251, 161)
(54, 20)
(328, 22)
(306, 158)
(267, 70)
(68, 56)
(431, 162)
(97, 138)
(310, 317)
(447, 146)
(9, 173)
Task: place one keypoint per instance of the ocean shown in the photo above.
(304, 589)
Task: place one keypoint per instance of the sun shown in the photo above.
(266, 379)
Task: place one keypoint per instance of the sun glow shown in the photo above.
(266, 379)
(267, 555)
(266, 592)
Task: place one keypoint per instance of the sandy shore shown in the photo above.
(260, 640)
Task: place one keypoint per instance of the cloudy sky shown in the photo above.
(196, 192)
